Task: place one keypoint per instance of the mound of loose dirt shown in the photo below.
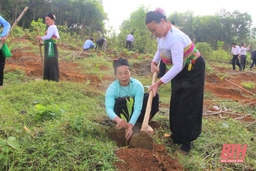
(136, 159)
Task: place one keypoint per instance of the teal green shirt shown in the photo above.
(115, 90)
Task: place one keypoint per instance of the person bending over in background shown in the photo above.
(4, 33)
(101, 43)
(51, 65)
(186, 75)
(88, 44)
(125, 100)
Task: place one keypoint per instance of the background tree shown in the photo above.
(235, 26)
(184, 21)
(144, 41)
(223, 26)
(86, 13)
(86, 18)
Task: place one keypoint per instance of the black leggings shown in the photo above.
(120, 106)
(2, 63)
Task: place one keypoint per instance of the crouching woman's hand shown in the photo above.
(128, 131)
(121, 124)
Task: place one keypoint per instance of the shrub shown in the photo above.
(205, 49)
(18, 32)
(47, 112)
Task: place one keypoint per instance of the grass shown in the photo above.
(206, 151)
(74, 141)
(208, 147)
(248, 85)
(49, 144)
(94, 63)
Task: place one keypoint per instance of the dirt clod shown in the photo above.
(141, 140)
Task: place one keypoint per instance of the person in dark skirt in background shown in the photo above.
(186, 75)
(51, 65)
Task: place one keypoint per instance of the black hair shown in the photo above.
(120, 62)
(154, 16)
(233, 43)
(242, 44)
(91, 39)
(51, 16)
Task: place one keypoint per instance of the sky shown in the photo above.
(120, 10)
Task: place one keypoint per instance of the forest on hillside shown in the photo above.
(87, 18)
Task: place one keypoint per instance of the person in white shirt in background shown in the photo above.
(243, 51)
(129, 40)
(235, 51)
(51, 62)
(88, 44)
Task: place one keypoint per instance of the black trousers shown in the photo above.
(120, 107)
(2, 63)
(186, 104)
(98, 45)
(235, 61)
(253, 63)
(128, 44)
(51, 65)
(243, 62)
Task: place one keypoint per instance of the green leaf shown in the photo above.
(14, 144)
(3, 142)
(123, 117)
(5, 149)
(11, 138)
(1, 156)
(40, 107)
(125, 114)
(129, 104)
(11, 141)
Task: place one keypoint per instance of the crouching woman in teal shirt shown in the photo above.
(126, 101)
